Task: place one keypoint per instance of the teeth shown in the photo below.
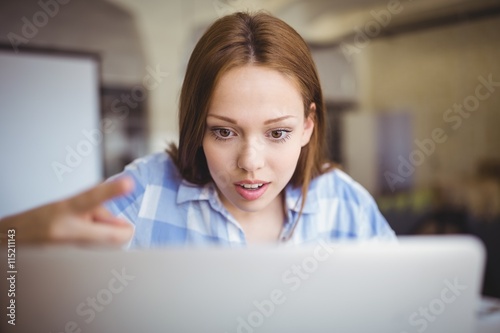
(251, 186)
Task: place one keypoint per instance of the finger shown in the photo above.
(97, 195)
(100, 233)
(102, 215)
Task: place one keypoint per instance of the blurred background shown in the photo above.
(412, 90)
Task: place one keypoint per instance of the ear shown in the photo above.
(308, 125)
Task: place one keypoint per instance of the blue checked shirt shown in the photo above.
(169, 211)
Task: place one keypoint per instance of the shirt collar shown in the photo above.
(293, 199)
(192, 192)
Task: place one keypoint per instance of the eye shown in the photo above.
(280, 135)
(222, 133)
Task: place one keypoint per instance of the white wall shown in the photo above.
(426, 73)
(49, 105)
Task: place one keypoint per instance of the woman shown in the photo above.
(250, 166)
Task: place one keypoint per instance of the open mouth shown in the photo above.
(251, 190)
(251, 186)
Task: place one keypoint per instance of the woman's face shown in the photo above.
(254, 133)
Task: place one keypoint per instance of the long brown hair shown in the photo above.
(237, 40)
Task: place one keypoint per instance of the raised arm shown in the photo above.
(80, 219)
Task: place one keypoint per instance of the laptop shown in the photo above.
(420, 284)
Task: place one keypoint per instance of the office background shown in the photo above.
(412, 89)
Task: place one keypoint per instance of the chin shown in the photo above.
(250, 206)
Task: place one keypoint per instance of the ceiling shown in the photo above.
(330, 21)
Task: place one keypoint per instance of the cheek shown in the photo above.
(286, 157)
(218, 161)
(212, 154)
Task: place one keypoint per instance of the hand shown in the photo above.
(80, 219)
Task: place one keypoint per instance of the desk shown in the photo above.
(488, 316)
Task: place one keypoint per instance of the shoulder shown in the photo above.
(336, 184)
(154, 176)
(156, 180)
(155, 169)
(347, 208)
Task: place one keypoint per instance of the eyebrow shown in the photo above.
(267, 122)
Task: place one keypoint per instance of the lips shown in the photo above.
(251, 189)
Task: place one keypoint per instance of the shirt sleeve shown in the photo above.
(373, 224)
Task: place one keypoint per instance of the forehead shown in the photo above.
(253, 87)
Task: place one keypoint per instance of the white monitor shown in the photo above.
(426, 285)
(49, 127)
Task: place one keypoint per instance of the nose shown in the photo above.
(251, 156)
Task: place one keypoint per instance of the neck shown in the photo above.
(262, 226)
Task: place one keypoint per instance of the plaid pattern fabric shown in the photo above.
(169, 211)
